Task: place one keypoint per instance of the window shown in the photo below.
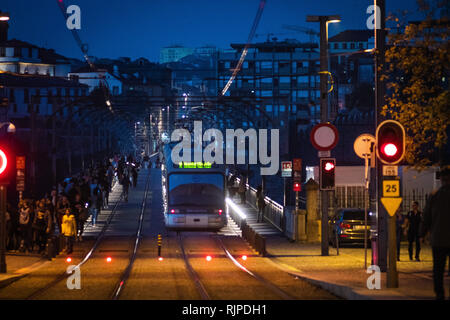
(352, 45)
(266, 65)
(12, 97)
(302, 79)
(336, 45)
(269, 108)
(344, 45)
(282, 108)
(2, 52)
(26, 96)
(227, 64)
(266, 93)
(285, 79)
(16, 52)
(15, 107)
(361, 45)
(245, 65)
(266, 80)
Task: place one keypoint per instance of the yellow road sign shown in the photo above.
(391, 204)
(391, 188)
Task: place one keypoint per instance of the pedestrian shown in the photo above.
(42, 224)
(11, 227)
(260, 203)
(400, 225)
(242, 189)
(134, 172)
(125, 184)
(61, 207)
(81, 215)
(69, 230)
(437, 221)
(25, 221)
(414, 220)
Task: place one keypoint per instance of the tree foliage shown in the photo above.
(416, 75)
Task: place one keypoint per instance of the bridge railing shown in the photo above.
(273, 212)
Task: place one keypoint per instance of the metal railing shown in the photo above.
(273, 212)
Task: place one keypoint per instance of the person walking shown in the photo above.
(400, 225)
(25, 221)
(260, 203)
(437, 220)
(69, 230)
(414, 220)
(42, 224)
(134, 173)
(242, 189)
(125, 184)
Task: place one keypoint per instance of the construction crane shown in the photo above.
(84, 50)
(312, 33)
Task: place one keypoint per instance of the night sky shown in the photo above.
(139, 28)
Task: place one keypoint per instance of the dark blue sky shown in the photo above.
(139, 28)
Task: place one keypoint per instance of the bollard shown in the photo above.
(159, 245)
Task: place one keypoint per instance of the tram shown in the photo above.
(193, 194)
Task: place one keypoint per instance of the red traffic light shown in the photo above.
(389, 149)
(329, 166)
(3, 161)
(327, 173)
(390, 139)
(297, 186)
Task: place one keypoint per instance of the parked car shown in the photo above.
(348, 225)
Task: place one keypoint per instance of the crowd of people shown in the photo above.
(65, 210)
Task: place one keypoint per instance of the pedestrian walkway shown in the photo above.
(266, 229)
(344, 274)
(93, 231)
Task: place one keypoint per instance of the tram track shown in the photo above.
(86, 255)
(104, 239)
(200, 282)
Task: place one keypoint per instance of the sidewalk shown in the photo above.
(19, 265)
(344, 275)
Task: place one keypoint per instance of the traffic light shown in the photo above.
(327, 173)
(390, 139)
(297, 186)
(5, 166)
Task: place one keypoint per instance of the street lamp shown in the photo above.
(324, 21)
(4, 16)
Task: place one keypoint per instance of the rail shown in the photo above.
(273, 212)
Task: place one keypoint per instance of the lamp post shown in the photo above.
(4, 18)
(3, 166)
(324, 21)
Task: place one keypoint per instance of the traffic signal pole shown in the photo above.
(3, 228)
(382, 223)
(324, 119)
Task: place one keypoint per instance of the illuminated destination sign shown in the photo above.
(195, 165)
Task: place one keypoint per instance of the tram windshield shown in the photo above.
(199, 190)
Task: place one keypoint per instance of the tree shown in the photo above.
(416, 73)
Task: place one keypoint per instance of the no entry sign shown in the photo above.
(324, 136)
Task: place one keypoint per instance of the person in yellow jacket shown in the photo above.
(69, 229)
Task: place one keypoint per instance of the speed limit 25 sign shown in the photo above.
(391, 188)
